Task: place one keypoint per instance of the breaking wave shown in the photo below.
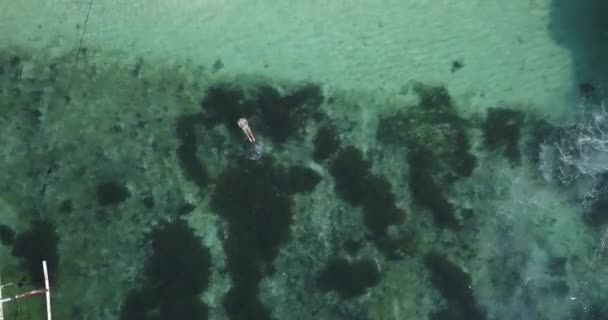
(578, 155)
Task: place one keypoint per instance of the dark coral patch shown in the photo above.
(192, 166)
(326, 143)
(355, 184)
(225, 104)
(350, 170)
(39, 242)
(502, 131)
(242, 303)
(394, 129)
(433, 99)
(435, 125)
(542, 132)
(462, 161)
(428, 193)
(348, 279)
(259, 214)
(302, 179)
(259, 211)
(7, 235)
(379, 205)
(597, 214)
(180, 264)
(455, 287)
(276, 115)
(284, 116)
(111, 193)
(176, 273)
(279, 122)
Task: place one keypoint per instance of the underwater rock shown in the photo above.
(217, 66)
(456, 65)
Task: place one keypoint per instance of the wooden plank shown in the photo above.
(48, 290)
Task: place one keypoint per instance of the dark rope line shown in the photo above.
(80, 45)
(67, 94)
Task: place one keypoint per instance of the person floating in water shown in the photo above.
(253, 149)
(244, 125)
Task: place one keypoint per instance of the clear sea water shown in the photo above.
(453, 192)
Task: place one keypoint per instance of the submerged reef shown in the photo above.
(427, 192)
(7, 235)
(435, 125)
(277, 116)
(272, 225)
(301, 180)
(252, 196)
(350, 171)
(502, 132)
(438, 149)
(542, 132)
(348, 278)
(38, 243)
(192, 166)
(259, 214)
(176, 273)
(326, 142)
(597, 214)
(284, 115)
(111, 193)
(357, 185)
(455, 287)
(225, 104)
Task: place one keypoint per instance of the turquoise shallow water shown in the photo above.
(441, 194)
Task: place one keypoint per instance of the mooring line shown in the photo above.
(53, 139)
(80, 45)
